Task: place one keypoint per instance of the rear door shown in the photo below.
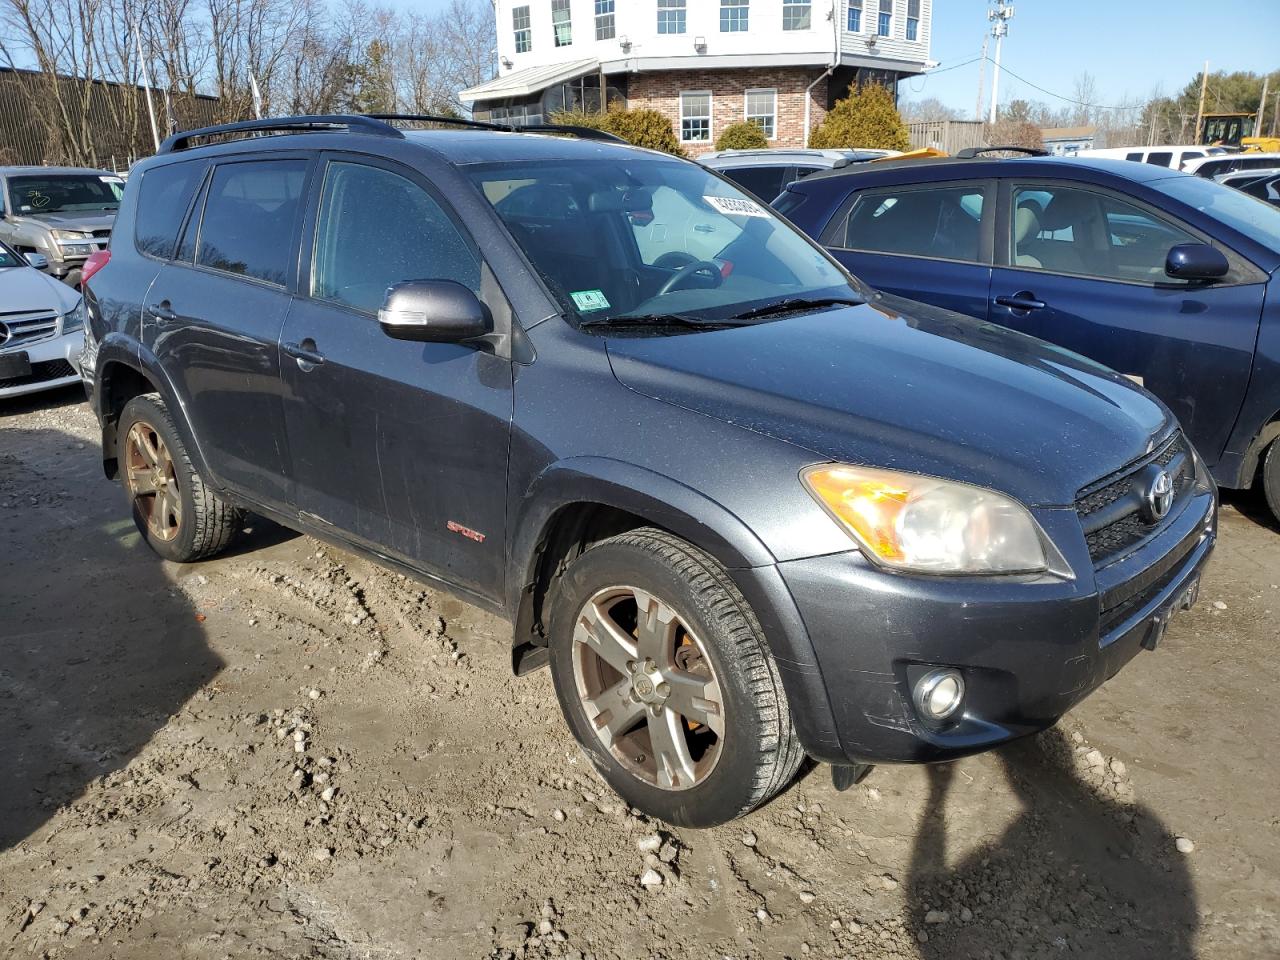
(401, 446)
(1083, 267)
(213, 317)
(929, 242)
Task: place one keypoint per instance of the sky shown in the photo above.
(1131, 47)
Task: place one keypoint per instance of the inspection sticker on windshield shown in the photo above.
(736, 206)
(586, 300)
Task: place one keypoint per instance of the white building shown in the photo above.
(704, 63)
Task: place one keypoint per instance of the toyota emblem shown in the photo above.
(1159, 497)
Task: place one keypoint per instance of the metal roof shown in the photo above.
(525, 83)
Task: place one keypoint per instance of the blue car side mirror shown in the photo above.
(1196, 261)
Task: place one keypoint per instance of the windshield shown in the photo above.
(654, 237)
(65, 193)
(1256, 219)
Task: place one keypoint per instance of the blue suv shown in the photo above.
(1167, 278)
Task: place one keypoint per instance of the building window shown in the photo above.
(884, 23)
(671, 16)
(796, 14)
(695, 117)
(913, 19)
(855, 16)
(733, 16)
(520, 23)
(605, 29)
(562, 22)
(762, 109)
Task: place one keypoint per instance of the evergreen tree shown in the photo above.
(865, 118)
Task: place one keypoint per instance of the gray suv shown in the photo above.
(745, 508)
(64, 213)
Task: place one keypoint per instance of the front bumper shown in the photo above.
(55, 362)
(1029, 648)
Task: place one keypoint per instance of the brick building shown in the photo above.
(704, 63)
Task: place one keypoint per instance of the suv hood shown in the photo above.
(84, 221)
(910, 387)
(27, 290)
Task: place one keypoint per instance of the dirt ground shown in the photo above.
(291, 752)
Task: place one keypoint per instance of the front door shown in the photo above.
(1084, 268)
(401, 446)
(214, 316)
(929, 242)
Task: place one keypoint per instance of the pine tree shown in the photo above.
(865, 118)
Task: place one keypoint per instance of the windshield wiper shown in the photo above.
(796, 305)
(657, 320)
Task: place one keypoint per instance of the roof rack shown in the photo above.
(969, 153)
(583, 133)
(350, 124)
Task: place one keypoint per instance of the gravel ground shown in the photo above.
(292, 752)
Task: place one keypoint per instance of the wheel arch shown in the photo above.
(578, 502)
(1269, 432)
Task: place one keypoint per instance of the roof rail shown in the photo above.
(969, 153)
(350, 124)
(583, 133)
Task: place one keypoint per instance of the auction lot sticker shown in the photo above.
(736, 206)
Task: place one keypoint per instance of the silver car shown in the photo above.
(41, 327)
(766, 173)
(62, 213)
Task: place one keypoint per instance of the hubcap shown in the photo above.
(152, 481)
(648, 688)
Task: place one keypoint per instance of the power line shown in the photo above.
(1081, 103)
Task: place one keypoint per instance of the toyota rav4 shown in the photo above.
(746, 508)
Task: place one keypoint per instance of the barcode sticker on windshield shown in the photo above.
(587, 300)
(111, 179)
(736, 206)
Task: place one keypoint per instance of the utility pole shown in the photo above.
(982, 74)
(1204, 86)
(999, 16)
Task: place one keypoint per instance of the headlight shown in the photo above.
(922, 524)
(71, 235)
(73, 319)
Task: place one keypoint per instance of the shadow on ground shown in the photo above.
(1075, 872)
(97, 648)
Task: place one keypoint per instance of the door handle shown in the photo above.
(705, 228)
(1022, 300)
(305, 353)
(163, 312)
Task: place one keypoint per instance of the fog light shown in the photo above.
(938, 694)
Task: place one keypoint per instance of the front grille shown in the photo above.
(101, 234)
(1123, 601)
(40, 373)
(1111, 508)
(27, 327)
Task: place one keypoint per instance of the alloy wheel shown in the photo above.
(648, 688)
(152, 479)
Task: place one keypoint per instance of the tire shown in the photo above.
(1271, 478)
(179, 516)
(736, 756)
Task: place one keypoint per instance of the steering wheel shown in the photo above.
(697, 267)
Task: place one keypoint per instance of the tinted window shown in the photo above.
(377, 229)
(765, 182)
(249, 217)
(944, 222)
(1160, 158)
(1068, 230)
(1133, 156)
(802, 172)
(1264, 188)
(163, 198)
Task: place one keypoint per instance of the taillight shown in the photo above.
(97, 260)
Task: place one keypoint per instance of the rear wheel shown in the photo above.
(1271, 477)
(666, 681)
(178, 516)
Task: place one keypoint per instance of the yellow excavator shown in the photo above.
(1236, 130)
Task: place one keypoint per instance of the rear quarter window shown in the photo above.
(249, 216)
(163, 198)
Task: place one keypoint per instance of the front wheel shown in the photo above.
(1271, 477)
(666, 681)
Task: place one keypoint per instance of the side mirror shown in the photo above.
(433, 311)
(37, 260)
(1196, 261)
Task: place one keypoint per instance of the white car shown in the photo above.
(1176, 157)
(41, 327)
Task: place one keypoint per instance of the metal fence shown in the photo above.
(109, 126)
(948, 135)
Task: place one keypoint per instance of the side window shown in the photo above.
(163, 198)
(247, 228)
(765, 182)
(1161, 158)
(1068, 230)
(377, 229)
(943, 222)
(1136, 155)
